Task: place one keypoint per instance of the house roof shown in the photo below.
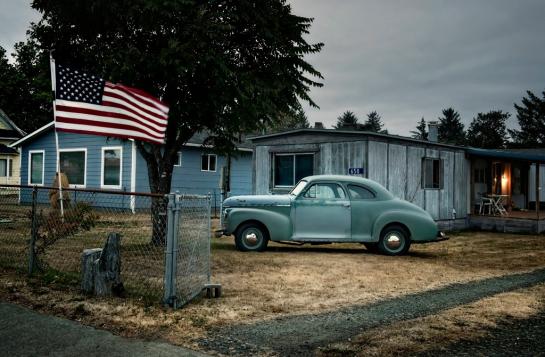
(336, 132)
(7, 150)
(196, 141)
(8, 129)
(535, 155)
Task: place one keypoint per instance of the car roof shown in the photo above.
(373, 185)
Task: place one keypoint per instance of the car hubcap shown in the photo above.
(393, 241)
(251, 238)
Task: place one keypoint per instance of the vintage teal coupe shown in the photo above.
(327, 209)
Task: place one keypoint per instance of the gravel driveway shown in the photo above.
(302, 334)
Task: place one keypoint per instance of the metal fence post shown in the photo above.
(33, 233)
(169, 288)
(209, 233)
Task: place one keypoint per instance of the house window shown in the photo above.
(112, 163)
(290, 168)
(36, 168)
(73, 164)
(3, 167)
(208, 163)
(178, 161)
(432, 173)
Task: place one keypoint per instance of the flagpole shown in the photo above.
(59, 176)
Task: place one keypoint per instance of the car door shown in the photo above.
(322, 212)
(364, 210)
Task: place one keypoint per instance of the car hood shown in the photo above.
(257, 200)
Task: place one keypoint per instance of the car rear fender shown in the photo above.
(278, 224)
(420, 226)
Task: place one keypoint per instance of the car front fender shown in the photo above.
(421, 227)
(278, 224)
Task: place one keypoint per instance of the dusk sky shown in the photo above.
(404, 59)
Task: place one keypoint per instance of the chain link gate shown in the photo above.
(187, 260)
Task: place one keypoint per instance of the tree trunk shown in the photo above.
(159, 221)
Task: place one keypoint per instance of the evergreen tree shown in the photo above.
(374, 123)
(451, 129)
(488, 130)
(531, 119)
(347, 120)
(25, 86)
(420, 133)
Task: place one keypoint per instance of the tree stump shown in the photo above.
(88, 259)
(101, 268)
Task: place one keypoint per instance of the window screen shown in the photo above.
(36, 168)
(112, 167)
(3, 167)
(72, 163)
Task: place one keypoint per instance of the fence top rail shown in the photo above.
(114, 192)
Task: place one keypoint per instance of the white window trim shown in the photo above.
(208, 165)
(30, 152)
(293, 154)
(179, 162)
(102, 185)
(84, 166)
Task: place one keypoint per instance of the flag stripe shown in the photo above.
(102, 124)
(93, 130)
(106, 120)
(139, 95)
(109, 112)
(153, 111)
(121, 103)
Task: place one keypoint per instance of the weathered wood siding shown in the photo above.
(397, 170)
(378, 162)
(337, 158)
(262, 177)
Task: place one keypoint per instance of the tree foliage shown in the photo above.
(450, 129)
(222, 66)
(488, 130)
(347, 120)
(25, 87)
(421, 132)
(374, 123)
(295, 119)
(531, 119)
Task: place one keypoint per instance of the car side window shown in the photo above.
(325, 191)
(360, 193)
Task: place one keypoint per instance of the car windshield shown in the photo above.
(298, 188)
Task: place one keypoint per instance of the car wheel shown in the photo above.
(251, 237)
(372, 247)
(394, 240)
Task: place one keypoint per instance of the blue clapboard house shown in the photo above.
(101, 163)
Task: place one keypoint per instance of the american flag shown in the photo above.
(88, 104)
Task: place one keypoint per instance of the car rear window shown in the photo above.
(360, 193)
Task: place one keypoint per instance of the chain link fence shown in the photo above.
(31, 221)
